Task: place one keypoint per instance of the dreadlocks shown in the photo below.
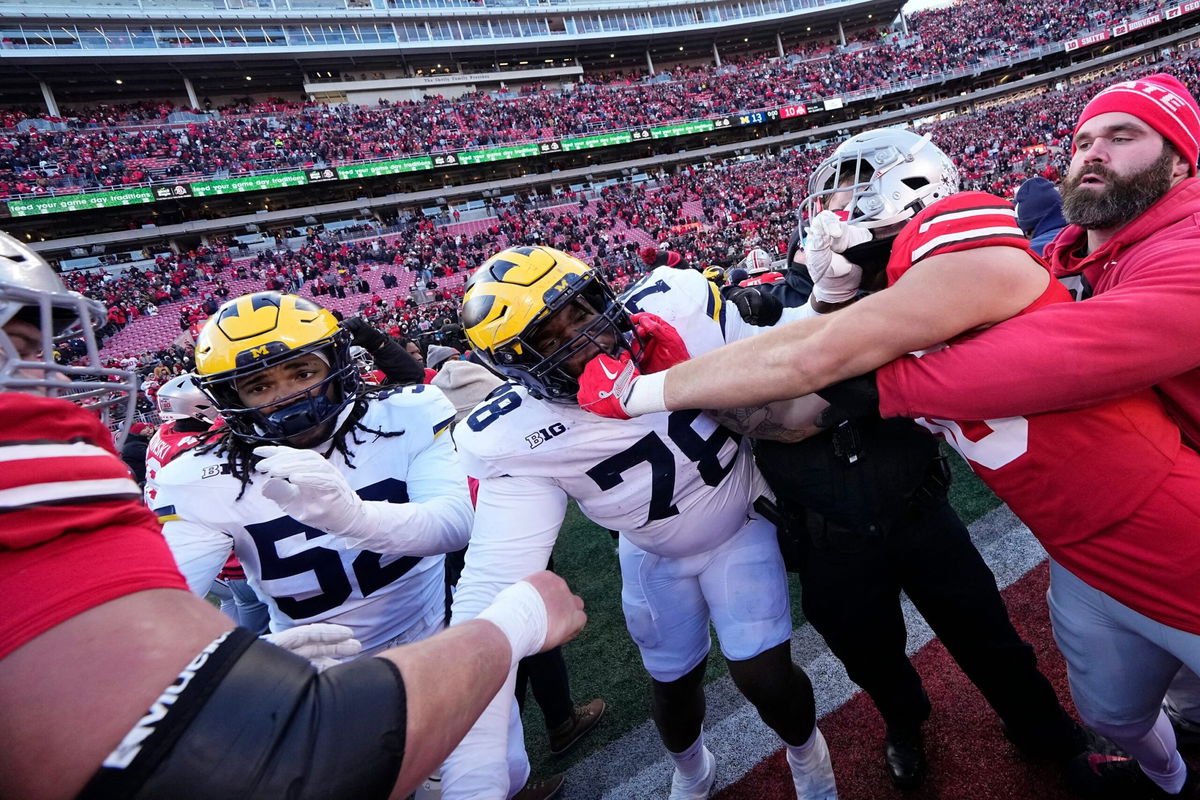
(239, 452)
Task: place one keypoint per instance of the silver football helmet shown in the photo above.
(880, 178)
(36, 313)
(181, 398)
(362, 358)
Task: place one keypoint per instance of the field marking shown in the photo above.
(733, 730)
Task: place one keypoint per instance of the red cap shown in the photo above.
(1160, 101)
(139, 428)
(649, 254)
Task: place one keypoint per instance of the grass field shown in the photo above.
(603, 661)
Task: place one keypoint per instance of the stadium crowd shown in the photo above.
(710, 215)
(127, 145)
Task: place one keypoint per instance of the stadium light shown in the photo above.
(119, 81)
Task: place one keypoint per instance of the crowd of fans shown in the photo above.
(125, 145)
(710, 214)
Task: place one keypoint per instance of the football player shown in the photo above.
(190, 706)
(338, 501)
(1126, 614)
(679, 487)
(188, 414)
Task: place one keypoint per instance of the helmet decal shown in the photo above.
(260, 331)
(514, 293)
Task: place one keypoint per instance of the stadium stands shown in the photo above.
(133, 144)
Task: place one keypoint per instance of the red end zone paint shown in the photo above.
(968, 754)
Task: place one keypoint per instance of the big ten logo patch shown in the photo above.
(545, 434)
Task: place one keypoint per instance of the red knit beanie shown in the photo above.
(1159, 100)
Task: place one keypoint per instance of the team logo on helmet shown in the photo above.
(515, 292)
(259, 331)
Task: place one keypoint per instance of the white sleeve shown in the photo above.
(199, 552)
(516, 523)
(437, 517)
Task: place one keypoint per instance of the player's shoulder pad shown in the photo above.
(674, 295)
(497, 429)
(191, 466)
(419, 407)
(962, 221)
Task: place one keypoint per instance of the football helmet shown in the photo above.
(181, 398)
(47, 314)
(362, 358)
(880, 178)
(259, 331)
(516, 291)
(715, 274)
(756, 261)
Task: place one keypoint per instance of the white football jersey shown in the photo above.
(705, 321)
(675, 484)
(303, 574)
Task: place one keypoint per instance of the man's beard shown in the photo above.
(1122, 200)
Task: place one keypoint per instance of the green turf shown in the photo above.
(603, 661)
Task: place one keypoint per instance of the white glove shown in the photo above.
(828, 231)
(835, 279)
(311, 490)
(322, 643)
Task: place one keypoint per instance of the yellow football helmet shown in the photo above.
(715, 274)
(516, 291)
(262, 330)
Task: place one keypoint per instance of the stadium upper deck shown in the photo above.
(151, 47)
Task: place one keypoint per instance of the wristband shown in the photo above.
(648, 395)
(520, 614)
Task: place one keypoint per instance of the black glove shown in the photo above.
(363, 334)
(849, 399)
(756, 306)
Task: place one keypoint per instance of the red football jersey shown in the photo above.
(166, 445)
(75, 532)
(1075, 477)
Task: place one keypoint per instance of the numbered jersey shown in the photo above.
(675, 483)
(303, 574)
(694, 307)
(1069, 475)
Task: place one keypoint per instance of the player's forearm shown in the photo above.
(1062, 356)
(437, 525)
(751, 372)
(449, 680)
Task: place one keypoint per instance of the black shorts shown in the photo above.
(248, 720)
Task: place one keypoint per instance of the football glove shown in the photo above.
(310, 490)
(662, 347)
(364, 334)
(613, 387)
(314, 492)
(828, 231)
(322, 643)
(756, 307)
(835, 279)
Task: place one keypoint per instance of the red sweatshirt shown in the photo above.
(1139, 326)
